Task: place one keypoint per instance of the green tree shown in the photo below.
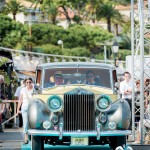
(92, 8)
(124, 2)
(3, 61)
(14, 7)
(78, 51)
(10, 32)
(74, 36)
(108, 12)
(50, 8)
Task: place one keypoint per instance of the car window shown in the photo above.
(78, 76)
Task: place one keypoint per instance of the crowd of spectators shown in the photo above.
(126, 93)
(146, 120)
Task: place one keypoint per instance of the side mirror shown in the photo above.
(36, 87)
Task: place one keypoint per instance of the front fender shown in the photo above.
(120, 113)
(38, 113)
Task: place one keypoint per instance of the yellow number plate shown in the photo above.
(79, 141)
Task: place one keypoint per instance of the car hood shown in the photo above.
(60, 90)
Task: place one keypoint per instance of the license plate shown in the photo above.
(79, 141)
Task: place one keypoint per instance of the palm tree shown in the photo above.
(36, 3)
(91, 9)
(14, 7)
(108, 12)
(51, 9)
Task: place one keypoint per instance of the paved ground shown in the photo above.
(12, 139)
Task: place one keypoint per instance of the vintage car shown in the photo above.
(77, 113)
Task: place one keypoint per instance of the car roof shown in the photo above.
(75, 65)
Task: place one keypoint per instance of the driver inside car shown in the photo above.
(90, 76)
(91, 79)
(58, 78)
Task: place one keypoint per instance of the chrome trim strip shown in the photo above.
(78, 134)
(98, 131)
(61, 131)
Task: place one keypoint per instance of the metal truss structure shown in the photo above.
(140, 34)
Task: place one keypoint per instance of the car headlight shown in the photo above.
(103, 103)
(46, 124)
(55, 103)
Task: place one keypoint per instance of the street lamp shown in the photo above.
(115, 49)
(60, 42)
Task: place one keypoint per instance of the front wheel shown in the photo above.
(37, 143)
(116, 141)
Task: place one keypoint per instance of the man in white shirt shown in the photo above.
(126, 89)
(126, 86)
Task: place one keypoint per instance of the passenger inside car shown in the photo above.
(91, 78)
(54, 80)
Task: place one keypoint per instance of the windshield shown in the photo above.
(71, 76)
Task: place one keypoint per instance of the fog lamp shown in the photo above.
(46, 124)
(112, 125)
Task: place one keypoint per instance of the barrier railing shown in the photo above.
(33, 59)
(15, 113)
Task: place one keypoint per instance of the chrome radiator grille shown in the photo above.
(79, 112)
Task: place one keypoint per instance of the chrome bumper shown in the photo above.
(35, 132)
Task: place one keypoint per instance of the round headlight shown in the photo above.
(46, 124)
(103, 103)
(55, 103)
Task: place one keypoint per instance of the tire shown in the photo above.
(37, 143)
(29, 137)
(117, 141)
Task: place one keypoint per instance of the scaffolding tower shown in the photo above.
(140, 39)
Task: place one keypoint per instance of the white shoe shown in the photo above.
(136, 142)
(119, 148)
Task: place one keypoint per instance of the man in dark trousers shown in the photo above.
(17, 95)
